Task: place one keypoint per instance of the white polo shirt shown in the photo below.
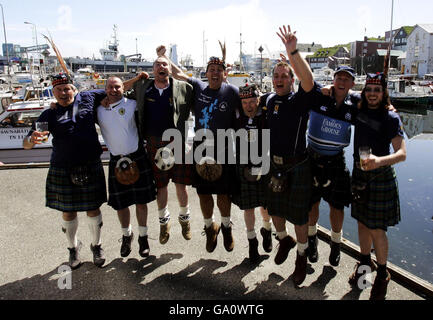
(118, 127)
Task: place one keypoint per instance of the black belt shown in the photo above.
(289, 161)
(317, 156)
(131, 155)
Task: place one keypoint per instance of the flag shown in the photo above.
(59, 56)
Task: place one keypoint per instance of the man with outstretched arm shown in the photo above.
(289, 193)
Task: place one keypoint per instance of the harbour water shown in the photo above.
(410, 241)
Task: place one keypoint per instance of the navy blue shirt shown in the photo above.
(75, 140)
(376, 128)
(214, 109)
(287, 118)
(159, 111)
(329, 129)
(254, 132)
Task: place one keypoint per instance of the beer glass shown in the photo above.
(364, 154)
(42, 127)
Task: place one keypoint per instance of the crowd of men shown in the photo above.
(135, 115)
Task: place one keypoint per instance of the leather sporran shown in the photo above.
(209, 169)
(360, 191)
(252, 174)
(79, 175)
(126, 171)
(278, 182)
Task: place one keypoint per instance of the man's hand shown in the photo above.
(288, 38)
(160, 51)
(327, 91)
(143, 75)
(105, 103)
(283, 58)
(130, 83)
(392, 108)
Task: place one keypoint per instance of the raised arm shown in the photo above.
(300, 66)
(176, 72)
(128, 84)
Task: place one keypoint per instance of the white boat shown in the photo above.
(16, 120)
(87, 79)
(239, 79)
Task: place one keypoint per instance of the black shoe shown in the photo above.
(98, 255)
(267, 239)
(313, 254)
(284, 247)
(125, 249)
(334, 256)
(143, 246)
(74, 256)
(253, 250)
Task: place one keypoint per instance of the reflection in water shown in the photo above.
(411, 241)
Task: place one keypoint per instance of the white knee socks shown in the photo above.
(70, 229)
(95, 224)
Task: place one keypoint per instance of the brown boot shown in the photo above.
(354, 277)
(229, 243)
(380, 286)
(211, 236)
(284, 247)
(300, 269)
(186, 228)
(164, 233)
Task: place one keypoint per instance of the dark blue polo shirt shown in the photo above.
(214, 109)
(287, 118)
(375, 129)
(159, 111)
(329, 129)
(75, 140)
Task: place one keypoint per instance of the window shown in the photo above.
(19, 120)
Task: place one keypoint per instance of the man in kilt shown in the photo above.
(376, 203)
(117, 121)
(75, 180)
(165, 103)
(290, 180)
(252, 188)
(329, 132)
(215, 105)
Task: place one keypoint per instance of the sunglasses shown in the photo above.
(375, 90)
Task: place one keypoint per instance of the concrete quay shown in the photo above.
(33, 250)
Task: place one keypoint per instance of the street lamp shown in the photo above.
(37, 45)
(261, 67)
(6, 42)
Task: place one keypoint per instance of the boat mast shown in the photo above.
(391, 36)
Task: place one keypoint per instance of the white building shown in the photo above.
(419, 55)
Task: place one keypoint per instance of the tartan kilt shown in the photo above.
(382, 209)
(338, 193)
(250, 194)
(143, 191)
(180, 173)
(294, 203)
(224, 185)
(61, 194)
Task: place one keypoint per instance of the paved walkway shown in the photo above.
(33, 248)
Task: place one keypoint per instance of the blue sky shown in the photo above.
(81, 28)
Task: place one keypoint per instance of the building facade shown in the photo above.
(419, 54)
(400, 36)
